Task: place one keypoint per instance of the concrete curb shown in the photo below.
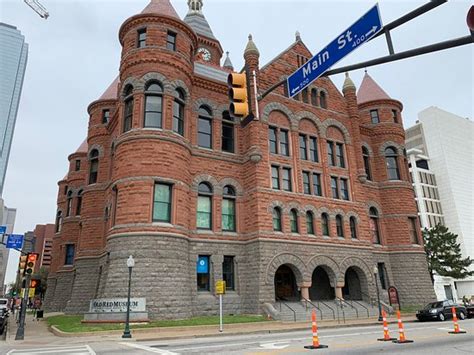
(211, 330)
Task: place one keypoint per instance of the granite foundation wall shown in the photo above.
(62, 291)
(411, 277)
(49, 296)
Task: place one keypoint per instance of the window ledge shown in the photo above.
(235, 234)
(162, 224)
(204, 231)
(326, 237)
(341, 238)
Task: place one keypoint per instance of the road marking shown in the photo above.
(274, 346)
(76, 350)
(151, 350)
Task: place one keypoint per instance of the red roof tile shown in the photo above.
(160, 7)
(369, 90)
(111, 92)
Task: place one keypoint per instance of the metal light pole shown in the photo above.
(20, 332)
(378, 295)
(130, 264)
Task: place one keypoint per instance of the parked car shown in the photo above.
(441, 310)
(470, 310)
(3, 320)
(3, 303)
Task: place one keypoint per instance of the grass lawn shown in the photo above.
(72, 324)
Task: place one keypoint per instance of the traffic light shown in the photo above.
(239, 104)
(22, 264)
(30, 263)
(34, 283)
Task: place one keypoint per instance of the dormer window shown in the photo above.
(171, 41)
(141, 38)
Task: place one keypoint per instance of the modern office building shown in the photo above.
(13, 58)
(310, 201)
(441, 152)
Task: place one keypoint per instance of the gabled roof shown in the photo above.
(111, 92)
(298, 40)
(160, 7)
(369, 90)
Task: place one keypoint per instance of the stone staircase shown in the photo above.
(325, 310)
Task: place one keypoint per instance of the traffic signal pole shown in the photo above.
(20, 332)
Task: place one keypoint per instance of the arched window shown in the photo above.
(205, 127)
(94, 166)
(305, 95)
(294, 221)
(339, 226)
(227, 132)
(128, 108)
(178, 112)
(314, 97)
(374, 225)
(228, 209)
(277, 219)
(309, 222)
(325, 224)
(353, 225)
(204, 207)
(79, 203)
(322, 100)
(392, 164)
(69, 204)
(59, 221)
(153, 105)
(366, 157)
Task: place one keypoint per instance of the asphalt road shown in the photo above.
(429, 338)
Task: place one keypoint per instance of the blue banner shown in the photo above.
(202, 265)
(360, 32)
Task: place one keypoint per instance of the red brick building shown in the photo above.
(303, 203)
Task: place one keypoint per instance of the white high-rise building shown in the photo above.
(440, 148)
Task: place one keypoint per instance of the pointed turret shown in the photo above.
(348, 84)
(160, 7)
(111, 92)
(369, 90)
(251, 48)
(196, 20)
(228, 63)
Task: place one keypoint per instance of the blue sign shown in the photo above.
(357, 34)
(203, 265)
(15, 241)
(3, 229)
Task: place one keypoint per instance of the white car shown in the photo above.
(4, 303)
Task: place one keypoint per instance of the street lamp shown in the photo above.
(130, 264)
(378, 295)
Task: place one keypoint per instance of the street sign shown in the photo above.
(360, 32)
(15, 241)
(220, 287)
(3, 229)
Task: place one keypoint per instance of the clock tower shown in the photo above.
(209, 50)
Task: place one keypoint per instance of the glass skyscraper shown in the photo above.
(13, 57)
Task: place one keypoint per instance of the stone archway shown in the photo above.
(352, 289)
(286, 288)
(321, 286)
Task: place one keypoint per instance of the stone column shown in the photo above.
(304, 287)
(338, 290)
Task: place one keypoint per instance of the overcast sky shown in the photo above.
(74, 55)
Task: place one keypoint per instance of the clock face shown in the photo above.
(204, 54)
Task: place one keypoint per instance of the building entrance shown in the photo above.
(352, 289)
(321, 288)
(285, 284)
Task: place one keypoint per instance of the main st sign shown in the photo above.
(360, 32)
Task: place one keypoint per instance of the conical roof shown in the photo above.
(369, 90)
(228, 63)
(251, 47)
(196, 20)
(160, 7)
(83, 147)
(111, 92)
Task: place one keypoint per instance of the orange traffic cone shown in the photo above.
(401, 332)
(316, 344)
(456, 325)
(386, 335)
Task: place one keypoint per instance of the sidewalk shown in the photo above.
(37, 332)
